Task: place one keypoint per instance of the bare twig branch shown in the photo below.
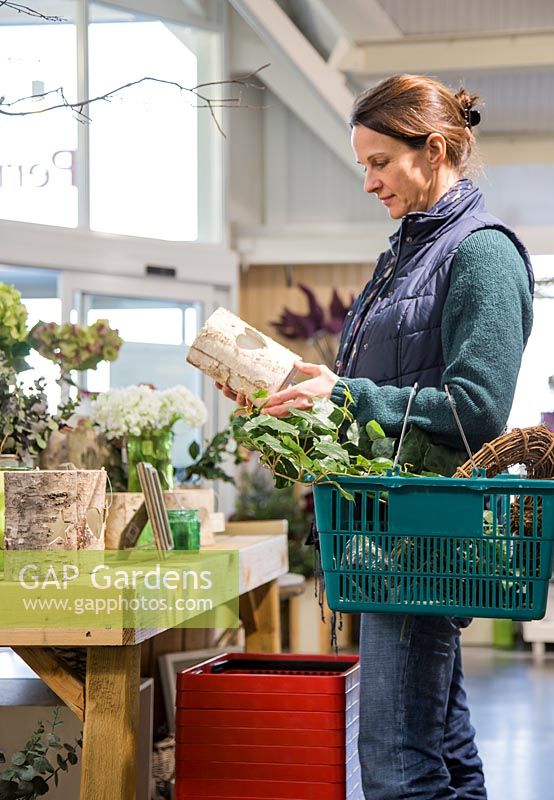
(8, 109)
(30, 12)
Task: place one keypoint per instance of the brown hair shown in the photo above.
(410, 107)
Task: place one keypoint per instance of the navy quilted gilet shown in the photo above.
(392, 333)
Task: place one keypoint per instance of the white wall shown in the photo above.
(292, 199)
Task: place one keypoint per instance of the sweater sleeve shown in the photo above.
(486, 322)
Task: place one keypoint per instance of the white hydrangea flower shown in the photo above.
(135, 409)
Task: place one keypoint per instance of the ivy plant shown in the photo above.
(318, 445)
(33, 769)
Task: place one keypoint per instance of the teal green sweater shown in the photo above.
(486, 322)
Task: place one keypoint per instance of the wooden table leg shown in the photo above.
(111, 723)
(260, 613)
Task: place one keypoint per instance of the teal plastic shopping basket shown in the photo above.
(480, 547)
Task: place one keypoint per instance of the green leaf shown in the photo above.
(443, 460)
(40, 786)
(28, 773)
(72, 757)
(383, 447)
(346, 494)
(334, 450)
(53, 741)
(56, 779)
(41, 764)
(2, 757)
(27, 789)
(274, 443)
(374, 430)
(272, 423)
(62, 762)
(19, 758)
(194, 450)
(353, 434)
(260, 394)
(415, 445)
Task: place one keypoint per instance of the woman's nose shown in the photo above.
(371, 184)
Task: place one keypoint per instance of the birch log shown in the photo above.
(55, 509)
(231, 352)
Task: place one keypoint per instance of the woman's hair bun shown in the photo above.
(471, 115)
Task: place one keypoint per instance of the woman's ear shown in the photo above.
(436, 150)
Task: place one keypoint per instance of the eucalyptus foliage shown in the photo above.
(38, 763)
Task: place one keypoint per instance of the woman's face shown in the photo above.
(403, 179)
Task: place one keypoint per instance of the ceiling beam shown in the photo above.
(275, 28)
(297, 74)
(363, 19)
(478, 53)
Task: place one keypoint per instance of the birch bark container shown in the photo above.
(240, 357)
(55, 509)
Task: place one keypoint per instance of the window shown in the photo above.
(143, 143)
(38, 156)
(156, 336)
(39, 293)
(533, 395)
(133, 169)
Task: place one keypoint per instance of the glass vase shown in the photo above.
(155, 448)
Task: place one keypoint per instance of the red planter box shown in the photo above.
(280, 737)
(262, 790)
(262, 754)
(268, 727)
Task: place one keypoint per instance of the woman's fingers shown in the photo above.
(238, 398)
(281, 397)
(307, 368)
(283, 409)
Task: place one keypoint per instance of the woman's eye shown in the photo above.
(380, 164)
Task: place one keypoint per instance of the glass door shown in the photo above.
(158, 321)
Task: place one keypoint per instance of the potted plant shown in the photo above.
(75, 347)
(142, 418)
(13, 328)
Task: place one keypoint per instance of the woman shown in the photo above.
(450, 302)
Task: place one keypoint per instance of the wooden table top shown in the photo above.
(262, 558)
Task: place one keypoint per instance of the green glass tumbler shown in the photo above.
(155, 448)
(185, 528)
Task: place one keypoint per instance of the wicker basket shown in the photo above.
(533, 447)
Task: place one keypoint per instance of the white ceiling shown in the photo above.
(436, 17)
(518, 98)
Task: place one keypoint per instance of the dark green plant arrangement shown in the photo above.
(31, 770)
(25, 423)
(210, 463)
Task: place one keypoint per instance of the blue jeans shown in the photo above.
(416, 739)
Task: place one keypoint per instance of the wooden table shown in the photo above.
(108, 701)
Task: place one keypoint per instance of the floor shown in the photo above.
(512, 707)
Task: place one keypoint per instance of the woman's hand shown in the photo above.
(240, 399)
(301, 395)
